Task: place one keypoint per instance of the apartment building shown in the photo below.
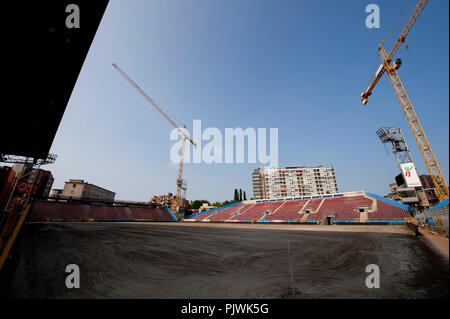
(293, 182)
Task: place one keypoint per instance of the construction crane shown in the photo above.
(180, 183)
(390, 67)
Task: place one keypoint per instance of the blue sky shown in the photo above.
(298, 66)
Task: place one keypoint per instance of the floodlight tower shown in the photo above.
(400, 149)
(412, 191)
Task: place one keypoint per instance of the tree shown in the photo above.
(227, 202)
(236, 195)
(240, 195)
(245, 196)
(197, 203)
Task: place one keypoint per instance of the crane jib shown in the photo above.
(180, 181)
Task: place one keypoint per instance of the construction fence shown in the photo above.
(436, 216)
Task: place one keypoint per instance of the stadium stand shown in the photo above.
(313, 204)
(225, 214)
(147, 213)
(207, 215)
(339, 208)
(60, 211)
(290, 210)
(388, 211)
(203, 216)
(342, 209)
(257, 211)
(99, 213)
(48, 211)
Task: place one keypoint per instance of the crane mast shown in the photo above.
(180, 186)
(390, 67)
(182, 132)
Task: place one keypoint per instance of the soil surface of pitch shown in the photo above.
(215, 261)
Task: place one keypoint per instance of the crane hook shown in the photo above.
(407, 48)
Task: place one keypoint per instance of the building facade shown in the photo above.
(168, 200)
(419, 198)
(163, 200)
(7, 179)
(205, 207)
(429, 189)
(79, 189)
(38, 181)
(293, 181)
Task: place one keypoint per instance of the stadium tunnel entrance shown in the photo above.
(329, 220)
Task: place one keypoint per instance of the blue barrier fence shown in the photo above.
(390, 221)
(441, 204)
(175, 219)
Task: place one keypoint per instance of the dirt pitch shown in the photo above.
(163, 260)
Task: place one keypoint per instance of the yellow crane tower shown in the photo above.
(390, 67)
(180, 184)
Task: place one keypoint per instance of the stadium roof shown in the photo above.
(43, 60)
